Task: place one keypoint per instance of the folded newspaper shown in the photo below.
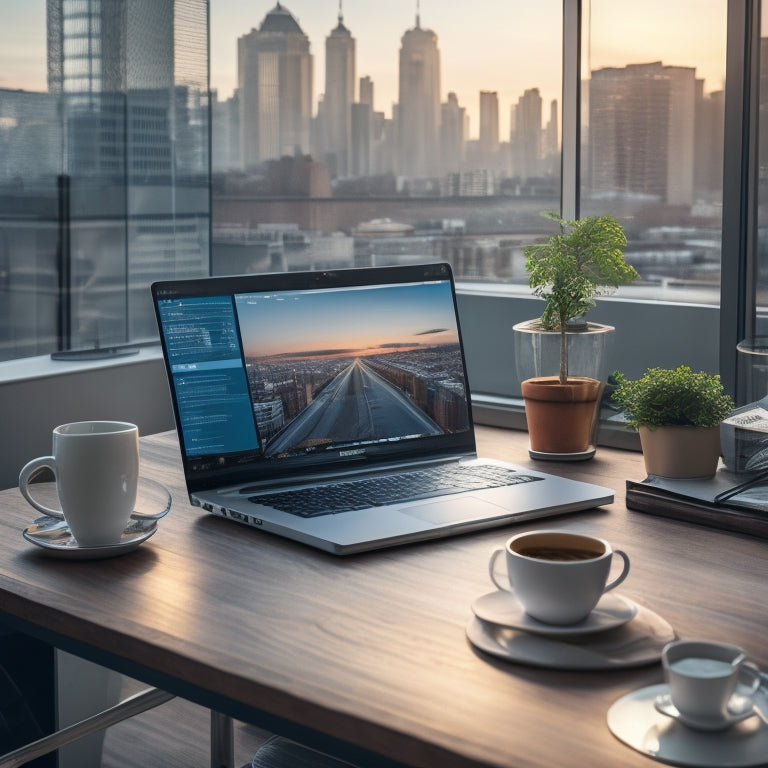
(744, 438)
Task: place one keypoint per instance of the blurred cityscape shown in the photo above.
(106, 177)
(342, 184)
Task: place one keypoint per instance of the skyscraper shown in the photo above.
(489, 127)
(274, 70)
(134, 118)
(642, 120)
(452, 134)
(418, 113)
(362, 130)
(339, 95)
(527, 137)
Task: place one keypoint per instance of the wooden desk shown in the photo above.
(369, 652)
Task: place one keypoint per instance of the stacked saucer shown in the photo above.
(617, 633)
(53, 536)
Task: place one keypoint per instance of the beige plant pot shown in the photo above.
(561, 417)
(680, 451)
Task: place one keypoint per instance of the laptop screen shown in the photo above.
(299, 372)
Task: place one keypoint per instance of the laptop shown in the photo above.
(332, 408)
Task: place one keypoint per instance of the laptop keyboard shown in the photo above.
(390, 489)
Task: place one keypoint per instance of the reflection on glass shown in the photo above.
(652, 139)
(761, 320)
(104, 182)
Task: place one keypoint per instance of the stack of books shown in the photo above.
(731, 501)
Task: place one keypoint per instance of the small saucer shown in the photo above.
(503, 608)
(55, 538)
(739, 708)
(634, 720)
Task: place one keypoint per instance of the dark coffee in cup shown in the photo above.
(558, 576)
(559, 554)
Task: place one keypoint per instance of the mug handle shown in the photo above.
(624, 572)
(754, 672)
(491, 568)
(28, 471)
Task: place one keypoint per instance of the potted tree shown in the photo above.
(583, 261)
(677, 413)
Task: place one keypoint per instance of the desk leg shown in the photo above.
(222, 741)
(83, 689)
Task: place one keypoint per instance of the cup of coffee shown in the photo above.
(704, 676)
(557, 576)
(96, 467)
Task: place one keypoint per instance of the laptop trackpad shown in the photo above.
(447, 510)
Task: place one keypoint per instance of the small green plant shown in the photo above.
(667, 397)
(572, 268)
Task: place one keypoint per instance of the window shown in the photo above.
(381, 134)
(349, 134)
(104, 180)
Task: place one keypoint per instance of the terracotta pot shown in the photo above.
(680, 451)
(561, 417)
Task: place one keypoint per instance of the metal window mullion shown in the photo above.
(570, 156)
(740, 162)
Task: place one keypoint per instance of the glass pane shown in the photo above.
(367, 134)
(652, 138)
(104, 180)
(761, 323)
(753, 351)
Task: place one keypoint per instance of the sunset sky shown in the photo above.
(361, 322)
(506, 46)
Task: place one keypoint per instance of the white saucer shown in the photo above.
(503, 608)
(739, 708)
(637, 643)
(634, 720)
(56, 540)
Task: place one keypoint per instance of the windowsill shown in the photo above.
(42, 366)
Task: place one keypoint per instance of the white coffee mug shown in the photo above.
(558, 576)
(96, 466)
(703, 676)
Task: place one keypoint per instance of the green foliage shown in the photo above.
(572, 268)
(666, 397)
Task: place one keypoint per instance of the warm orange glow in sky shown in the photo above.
(505, 46)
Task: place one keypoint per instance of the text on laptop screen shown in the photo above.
(299, 374)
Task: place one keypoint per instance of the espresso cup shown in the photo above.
(703, 677)
(96, 467)
(558, 576)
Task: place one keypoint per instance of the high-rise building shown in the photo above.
(366, 91)
(339, 96)
(274, 70)
(642, 118)
(526, 140)
(489, 127)
(134, 116)
(362, 137)
(225, 126)
(452, 134)
(418, 113)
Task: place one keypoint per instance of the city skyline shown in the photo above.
(517, 48)
(508, 41)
